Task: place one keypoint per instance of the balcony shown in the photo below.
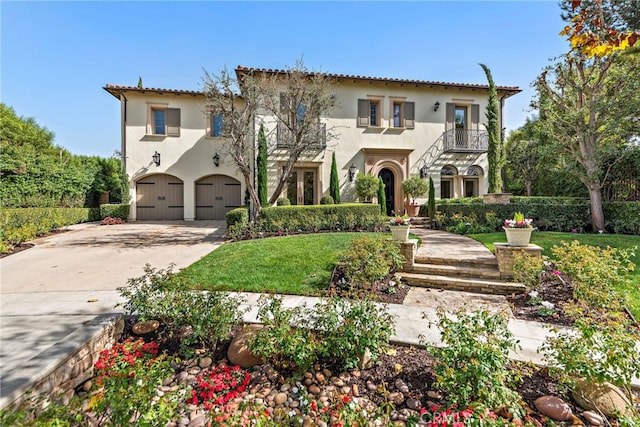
(465, 141)
(285, 139)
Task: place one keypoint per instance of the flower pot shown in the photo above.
(518, 236)
(400, 233)
(412, 210)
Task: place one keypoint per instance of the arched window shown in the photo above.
(448, 171)
(475, 171)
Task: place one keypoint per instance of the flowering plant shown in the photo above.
(518, 221)
(399, 220)
(219, 386)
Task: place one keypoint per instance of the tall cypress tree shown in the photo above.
(262, 167)
(431, 202)
(334, 182)
(495, 154)
(382, 197)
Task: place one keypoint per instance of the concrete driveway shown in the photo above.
(49, 294)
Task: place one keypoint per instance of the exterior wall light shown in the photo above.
(216, 160)
(424, 172)
(353, 170)
(436, 106)
(156, 158)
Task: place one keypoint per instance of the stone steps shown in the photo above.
(473, 271)
(466, 284)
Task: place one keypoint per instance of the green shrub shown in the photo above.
(237, 216)
(527, 270)
(312, 218)
(115, 211)
(368, 260)
(23, 224)
(353, 327)
(472, 366)
(204, 318)
(622, 217)
(366, 186)
(326, 200)
(283, 201)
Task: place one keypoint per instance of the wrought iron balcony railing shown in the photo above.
(285, 138)
(465, 141)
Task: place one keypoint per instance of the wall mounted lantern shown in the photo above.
(436, 106)
(353, 170)
(424, 172)
(216, 160)
(156, 158)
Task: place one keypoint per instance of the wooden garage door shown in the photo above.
(216, 195)
(160, 197)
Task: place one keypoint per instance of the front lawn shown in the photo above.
(294, 265)
(546, 240)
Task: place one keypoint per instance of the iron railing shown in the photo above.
(465, 141)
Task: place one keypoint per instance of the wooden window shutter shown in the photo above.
(475, 116)
(173, 122)
(409, 115)
(364, 108)
(450, 119)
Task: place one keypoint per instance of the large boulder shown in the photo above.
(604, 397)
(554, 408)
(239, 353)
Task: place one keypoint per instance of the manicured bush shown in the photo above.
(327, 200)
(368, 260)
(23, 224)
(312, 218)
(366, 186)
(114, 211)
(283, 201)
(237, 216)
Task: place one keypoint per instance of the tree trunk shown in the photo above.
(597, 214)
(528, 184)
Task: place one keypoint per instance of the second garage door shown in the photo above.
(216, 195)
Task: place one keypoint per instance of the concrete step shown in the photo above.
(480, 286)
(489, 261)
(481, 271)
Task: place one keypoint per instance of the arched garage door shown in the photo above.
(216, 195)
(159, 197)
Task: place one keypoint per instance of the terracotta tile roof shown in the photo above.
(510, 90)
(115, 90)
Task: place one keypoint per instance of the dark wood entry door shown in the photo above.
(388, 179)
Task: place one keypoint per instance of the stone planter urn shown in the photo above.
(400, 233)
(518, 236)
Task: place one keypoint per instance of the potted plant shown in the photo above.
(414, 187)
(399, 227)
(366, 187)
(518, 230)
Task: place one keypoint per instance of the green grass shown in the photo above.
(293, 265)
(546, 240)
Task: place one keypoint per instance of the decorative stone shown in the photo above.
(314, 389)
(413, 404)
(239, 353)
(145, 328)
(280, 398)
(593, 418)
(401, 386)
(554, 408)
(604, 397)
(205, 362)
(320, 377)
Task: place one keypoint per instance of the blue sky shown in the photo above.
(57, 56)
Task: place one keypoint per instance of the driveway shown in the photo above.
(49, 294)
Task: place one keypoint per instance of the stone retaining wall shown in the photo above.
(505, 255)
(84, 347)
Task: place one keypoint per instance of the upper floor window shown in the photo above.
(162, 120)
(403, 114)
(369, 112)
(216, 125)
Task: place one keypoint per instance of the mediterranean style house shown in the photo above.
(178, 165)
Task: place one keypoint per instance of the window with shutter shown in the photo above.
(363, 112)
(409, 115)
(216, 125)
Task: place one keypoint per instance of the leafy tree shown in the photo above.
(334, 182)
(382, 198)
(590, 107)
(528, 155)
(366, 186)
(295, 99)
(495, 155)
(262, 167)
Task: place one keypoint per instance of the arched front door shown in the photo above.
(388, 179)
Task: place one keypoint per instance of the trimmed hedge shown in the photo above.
(310, 218)
(23, 224)
(548, 213)
(115, 211)
(237, 216)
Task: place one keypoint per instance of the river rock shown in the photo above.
(239, 353)
(280, 398)
(604, 397)
(593, 418)
(554, 407)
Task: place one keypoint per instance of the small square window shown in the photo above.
(216, 125)
(159, 126)
(163, 121)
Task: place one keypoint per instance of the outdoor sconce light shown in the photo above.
(353, 170)
(424, 172)
(436, 106)
(156, 158)
(216, 160)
